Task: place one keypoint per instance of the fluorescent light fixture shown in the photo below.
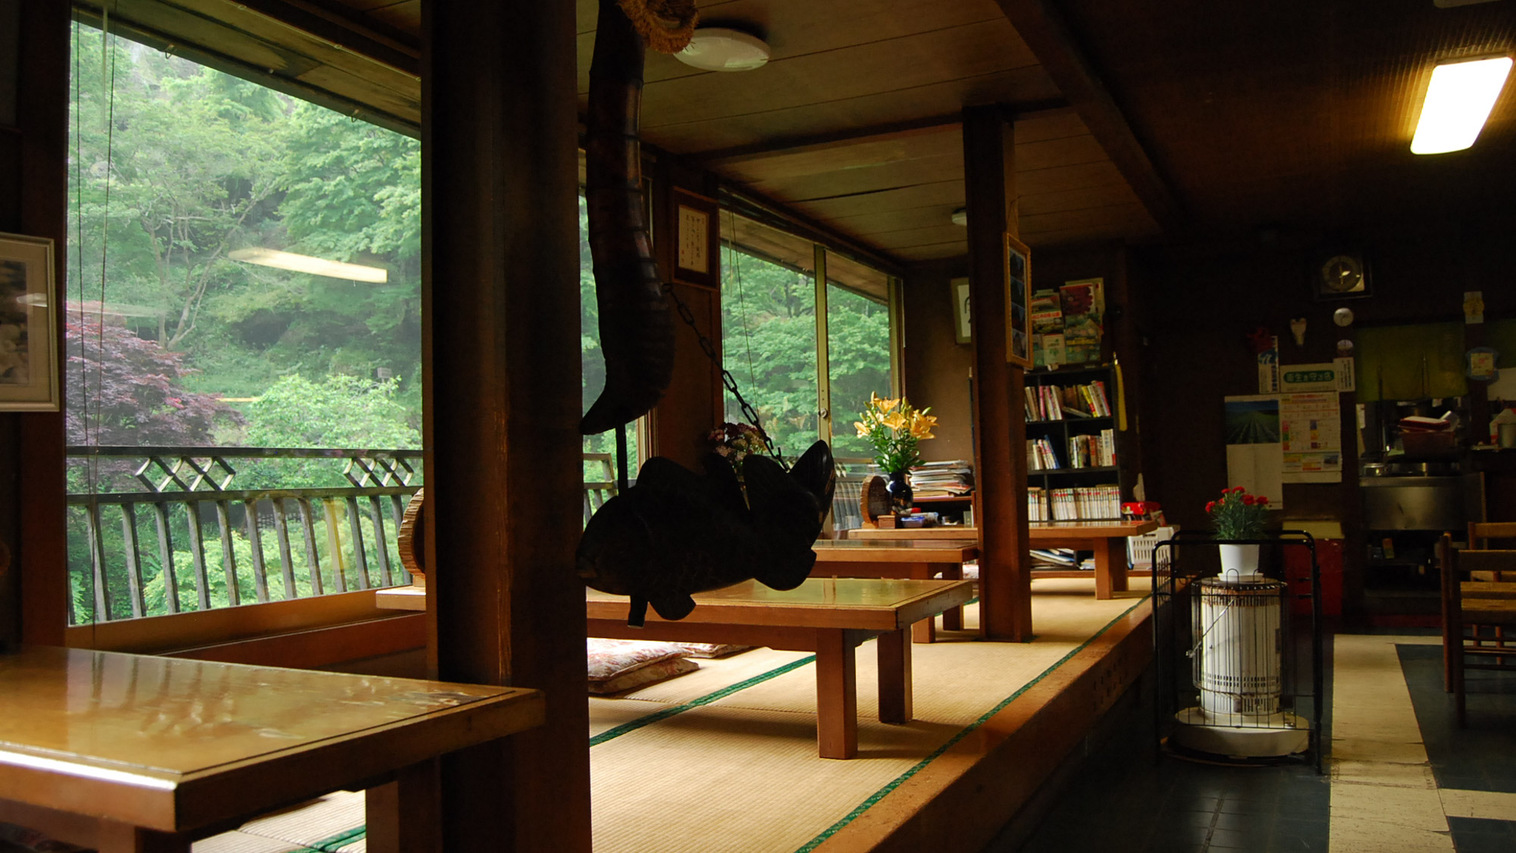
(1458, 101)
(308, 264)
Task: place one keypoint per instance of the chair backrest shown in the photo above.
(1482, 534)
(410, 539)
(873, 500)
(845, 497)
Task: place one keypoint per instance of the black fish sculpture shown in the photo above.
(676, 533)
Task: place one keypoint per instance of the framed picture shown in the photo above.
(963, 330)
(698, 233)
(28, 352)
(1018, 297)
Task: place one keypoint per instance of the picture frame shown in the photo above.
(697, 240)
(28, 324)
(963, 329)
(1018, 297)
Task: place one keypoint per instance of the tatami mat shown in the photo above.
(741, 773)
(725, 758)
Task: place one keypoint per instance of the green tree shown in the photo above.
(173, 163)
(337, 411)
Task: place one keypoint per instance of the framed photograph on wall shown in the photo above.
(963, 330)
(1018, 297)
(698, 232)
(28, 352)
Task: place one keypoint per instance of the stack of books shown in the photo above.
(952, 478)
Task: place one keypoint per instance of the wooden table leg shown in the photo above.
(952, 618)
(1110, 567)
(924, 631)
(895, 704)
(836, 694)
(406, 815)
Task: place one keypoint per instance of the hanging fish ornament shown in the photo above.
(676, 533)
(636, 324)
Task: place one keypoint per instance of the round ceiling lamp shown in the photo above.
(721, 49)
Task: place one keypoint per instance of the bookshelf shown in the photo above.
(1073, 445)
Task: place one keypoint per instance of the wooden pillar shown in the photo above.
(501, 358)
(692, 405)
(1005, 584)
(33, 195)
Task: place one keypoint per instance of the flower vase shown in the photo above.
(899, 490)
(1241, 559)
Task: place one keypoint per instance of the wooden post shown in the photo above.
(501, 357)
(33, 198)
(1005, 582)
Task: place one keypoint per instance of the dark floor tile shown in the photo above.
(1477, 757)
(1230, 839)
(1471, 835)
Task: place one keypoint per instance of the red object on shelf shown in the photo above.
(1297, 573)
(1142, 511)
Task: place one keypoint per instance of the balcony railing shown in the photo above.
(161, 530)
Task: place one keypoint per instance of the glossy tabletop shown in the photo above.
(896, 550)
(173, 744)
(1060, 530)
(869, 604)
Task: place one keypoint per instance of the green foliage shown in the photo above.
(337, 411)
(769, 345)
(178, 165)
(334, 546)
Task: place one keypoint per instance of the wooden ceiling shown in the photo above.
(1134, 122)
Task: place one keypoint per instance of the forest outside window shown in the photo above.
(238, 432)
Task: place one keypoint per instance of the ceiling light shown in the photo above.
(1458, 101)
(720, 49)
(308, 264)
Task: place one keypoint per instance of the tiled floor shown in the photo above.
(1400, 776)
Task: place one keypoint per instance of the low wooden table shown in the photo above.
(122, 752)
(1106, 538)
(920, 559)
(823, 615)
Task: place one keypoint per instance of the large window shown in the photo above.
(858, 348)
(768, 330)
(770, 336)
(243, 273)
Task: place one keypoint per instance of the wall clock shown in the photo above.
(1341, 275)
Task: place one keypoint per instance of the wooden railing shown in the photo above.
(143, 537)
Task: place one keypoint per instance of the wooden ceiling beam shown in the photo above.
(781, 147)
(1044, 30)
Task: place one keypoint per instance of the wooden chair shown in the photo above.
(1487, 534)
(873, 501)
(1475, 616)
(410, 539)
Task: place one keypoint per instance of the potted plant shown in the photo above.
(1237, 515)
(895, 428)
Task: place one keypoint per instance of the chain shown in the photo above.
(727, 380)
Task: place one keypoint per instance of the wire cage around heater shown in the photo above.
(1233, 662)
